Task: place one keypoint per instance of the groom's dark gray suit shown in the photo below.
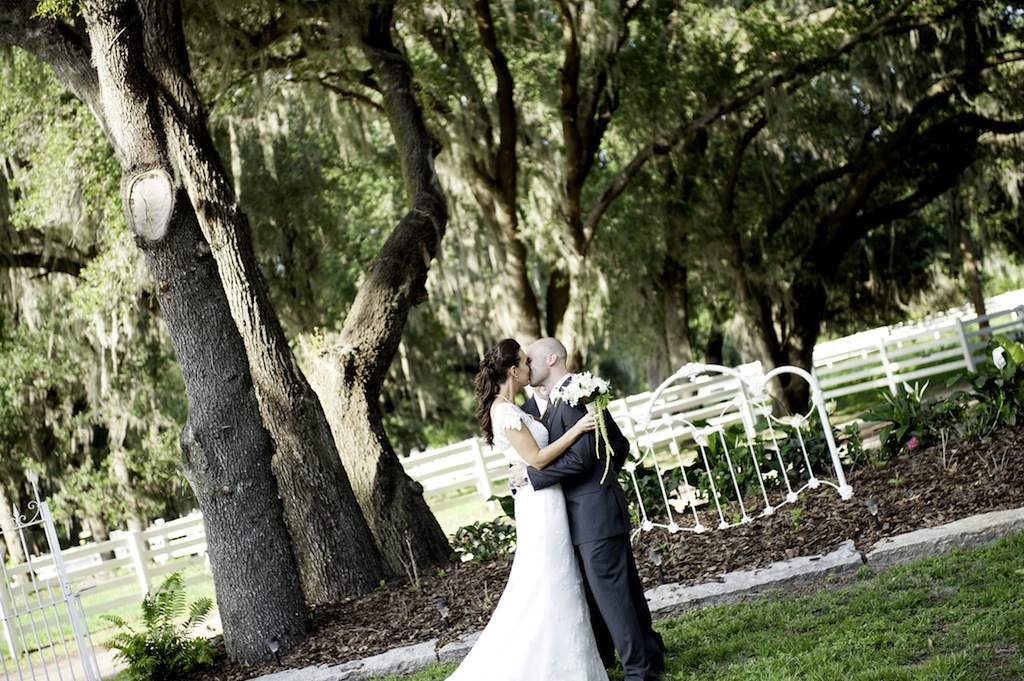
(599, 525)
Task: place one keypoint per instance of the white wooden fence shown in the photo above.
(907, 354)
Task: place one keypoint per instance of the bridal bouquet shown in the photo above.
(594, 393)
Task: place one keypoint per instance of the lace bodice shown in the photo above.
(509, 416)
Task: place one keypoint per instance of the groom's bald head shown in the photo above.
(552, 346)
(547, 360)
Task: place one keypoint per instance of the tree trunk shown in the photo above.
(330, 536)
(570, 327)
(12, 540)
(135, 521)
(674, 282)
(803, 325)
(351, 375)
(98, 530)
(226, 451)
(331, 540)
(971, 270)
(677, 312)
(515, 307)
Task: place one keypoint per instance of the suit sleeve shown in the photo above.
(575, 461)
(579, 459)
(530, 407)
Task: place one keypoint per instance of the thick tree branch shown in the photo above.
(508, 130)
(63, 46)
(396, 281)
(792, 78)
(28, 248)
(49, 263)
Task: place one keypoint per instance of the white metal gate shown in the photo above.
(43, 629)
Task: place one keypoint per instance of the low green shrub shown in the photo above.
(905, 415)
(166, 650)
(484, 541)
(649, 489)
(998, 388)
(732, 446)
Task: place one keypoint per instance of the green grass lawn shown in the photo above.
(958, 616)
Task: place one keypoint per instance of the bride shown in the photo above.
(540, 628)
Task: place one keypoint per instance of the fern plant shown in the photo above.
(165, 650)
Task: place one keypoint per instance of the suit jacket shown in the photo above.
(530, 407)
(596, 510)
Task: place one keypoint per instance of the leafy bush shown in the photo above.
(812, 435)
(907, 416)
(852, 443)
(484, 541)
(649, 489)
(998, 387)
(165, 651)
(994, 400)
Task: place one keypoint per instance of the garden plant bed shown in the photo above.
(922, 489)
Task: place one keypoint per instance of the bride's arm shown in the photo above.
(522, 441)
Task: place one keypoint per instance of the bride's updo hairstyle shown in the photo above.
(494, 368)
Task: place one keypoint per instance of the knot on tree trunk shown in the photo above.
(150, 203)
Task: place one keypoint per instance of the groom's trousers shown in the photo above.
(612, 576)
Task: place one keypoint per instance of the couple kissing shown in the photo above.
(573, 596)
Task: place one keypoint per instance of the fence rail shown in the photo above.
(913, 355)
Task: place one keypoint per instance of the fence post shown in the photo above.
(887, 366)
(968, 358)
(746, 411)
(483, 484)
(137, 547)
(5, 616)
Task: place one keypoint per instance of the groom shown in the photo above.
(598, 520)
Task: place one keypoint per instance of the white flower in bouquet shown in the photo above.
(594, 393)
(999, 358)
(585, 389)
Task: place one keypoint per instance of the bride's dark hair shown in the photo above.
(494, 368)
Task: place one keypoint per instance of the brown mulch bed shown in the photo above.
(924, 489)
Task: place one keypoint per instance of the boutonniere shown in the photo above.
(595, 394)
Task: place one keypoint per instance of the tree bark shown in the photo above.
(491, 159)
(226, 451)
(971, 269)
(331, 540)
(350, 375)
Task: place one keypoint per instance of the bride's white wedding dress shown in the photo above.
(540, 629)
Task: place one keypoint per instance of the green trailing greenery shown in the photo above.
(905, 415)
(649, 489)
(998, 387)
(731, 448)
(166, 649)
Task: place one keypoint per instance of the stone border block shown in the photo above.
(979, 530)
